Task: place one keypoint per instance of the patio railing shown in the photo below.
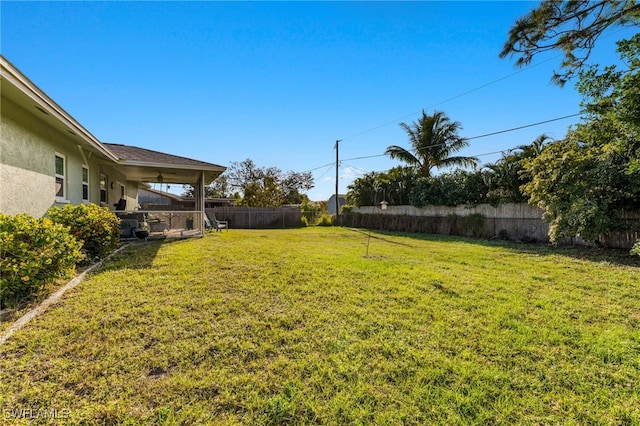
(161, 223)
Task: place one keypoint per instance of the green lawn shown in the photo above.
(300, 327)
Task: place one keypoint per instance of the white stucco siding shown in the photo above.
(28, 147)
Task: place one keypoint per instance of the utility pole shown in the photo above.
(337, 177)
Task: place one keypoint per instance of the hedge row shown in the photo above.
(34, 251)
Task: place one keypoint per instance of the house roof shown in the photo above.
(138, 164)
(17, 87)
(147, 165)
(135, 155)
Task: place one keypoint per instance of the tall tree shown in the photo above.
(294, 185)
(219, 188)
(584, 181)
(433, 138)
(267, 186)
(264, 192)
(242, 174)
(572, 27)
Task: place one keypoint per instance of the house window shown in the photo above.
(122, 191)
(85, 183)
(61, 179)
(103, 189)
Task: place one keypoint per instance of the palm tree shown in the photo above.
(509, 173)
(433, 139)
(534, 148)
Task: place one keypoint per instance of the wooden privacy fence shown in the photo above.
(259, 217)
(627, 238)
(518, 222)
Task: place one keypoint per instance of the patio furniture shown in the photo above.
(210, 221)
(121, 205)
(128, 228)
(157, 225)
(142, 234)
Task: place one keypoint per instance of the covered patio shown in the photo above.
(142, 167)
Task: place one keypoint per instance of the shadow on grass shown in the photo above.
(438, 285)
(378, 235)
(138, 254)
(591, 254)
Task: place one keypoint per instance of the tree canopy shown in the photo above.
(267, 186)
(259, 186)
(572, 27)
(393, 186)
(584, 181)
(219, 188)
(496, 183)
(433, 138)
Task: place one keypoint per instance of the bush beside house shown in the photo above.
(33, 252)
(97, 227)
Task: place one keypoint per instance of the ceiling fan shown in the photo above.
(158, 179)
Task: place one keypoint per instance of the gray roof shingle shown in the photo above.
(136, 154)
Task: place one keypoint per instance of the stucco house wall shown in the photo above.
(28, 147)
(44, 149)
(114, 181)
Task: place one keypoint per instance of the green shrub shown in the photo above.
(33, 252)
(450, 189)
(304, 222)
(96, 226)
(635, 249)
(325, 220)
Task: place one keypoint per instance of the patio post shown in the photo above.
(201, 201)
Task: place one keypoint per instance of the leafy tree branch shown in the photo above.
(572, 27)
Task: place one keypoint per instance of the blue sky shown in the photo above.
(279, 83)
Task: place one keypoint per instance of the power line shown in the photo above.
(470, 91)
(337, 162)
(320, 167)
(524, 127)
(356, 169)
(451, 98)
(512, 129)
(327, 170)
(491, 153)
